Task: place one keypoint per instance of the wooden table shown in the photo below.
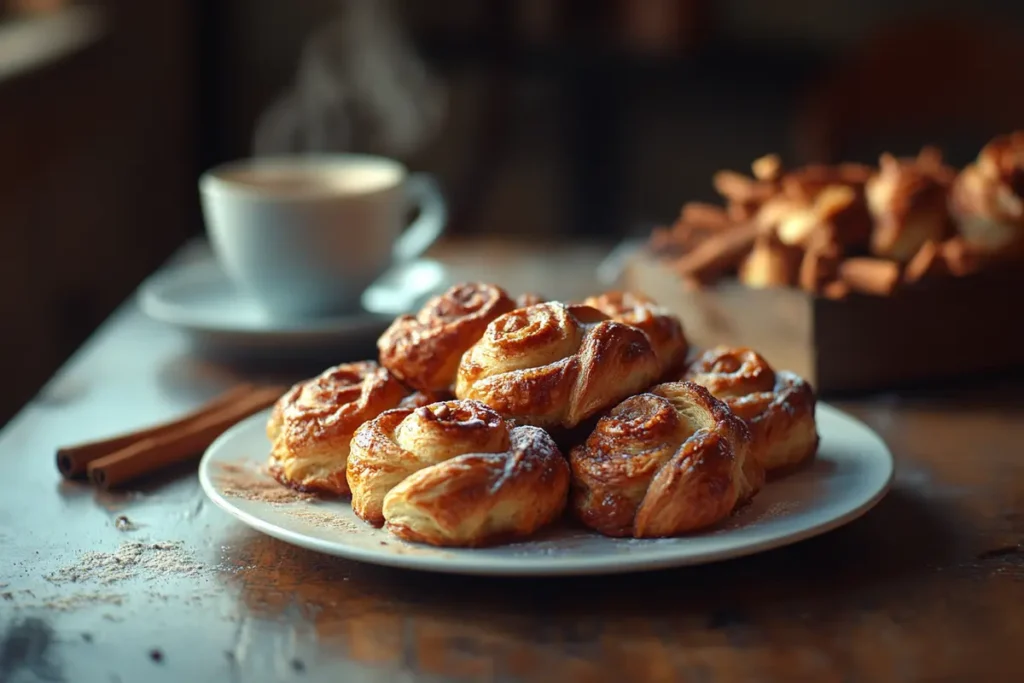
(929, 586)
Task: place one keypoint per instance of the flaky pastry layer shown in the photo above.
(670, 461)
(424, 350)
(554, 364)
(455, 473)
(778, 406)
(311, 426)
(664, 330)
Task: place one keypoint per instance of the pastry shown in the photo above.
(661, 327)
(312, 424)
(770, 263)
(908, 202)
(778, 406)
(987, 199)
(663, 463)
(455, 473)
(423, 351)
(555, 364)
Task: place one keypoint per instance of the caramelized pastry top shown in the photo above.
(728, 372)
(777, 406)
(556, 364)
(455, 473)
(661, 463)
(443, 430)
(335, 402)
(311, 426)
(663, 329)
(424, 350)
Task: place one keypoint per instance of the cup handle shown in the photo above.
(428, 226)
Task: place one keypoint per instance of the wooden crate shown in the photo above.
(947, 328)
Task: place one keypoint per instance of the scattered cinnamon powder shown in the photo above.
(239, 481)
(778, 510)
(129, 560)
(751, 515)
(324, 519)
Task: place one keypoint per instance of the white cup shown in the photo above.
(306, 235)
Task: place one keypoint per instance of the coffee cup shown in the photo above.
(306, 235)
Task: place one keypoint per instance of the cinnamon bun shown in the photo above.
(666, 462)
(423, 351)
(455, 473)
(778, 406)
(661, 327)
(555, 364)
(312, 424)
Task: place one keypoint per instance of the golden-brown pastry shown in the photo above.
(770, 263)
(988, 196)
(661, 327)
(666, 462)
(423, 351)
(833, 212)
(778, 406)
(455, 473)
(555, 364)
(908, 200)
(312, 424)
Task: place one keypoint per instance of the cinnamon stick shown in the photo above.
(72, 461)
(720, 252)
(182, 443)
(870, 275)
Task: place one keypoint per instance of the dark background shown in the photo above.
(567, 119)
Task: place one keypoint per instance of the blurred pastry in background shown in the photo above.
(907, 199)
(988, 197)
(833, 230)
(770, 263)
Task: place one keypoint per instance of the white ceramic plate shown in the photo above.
(852, 472)
(199, 299)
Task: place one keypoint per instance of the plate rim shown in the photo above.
(607, 565)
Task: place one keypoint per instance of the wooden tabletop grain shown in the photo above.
(929, 586)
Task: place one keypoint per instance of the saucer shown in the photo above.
(199, 299)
